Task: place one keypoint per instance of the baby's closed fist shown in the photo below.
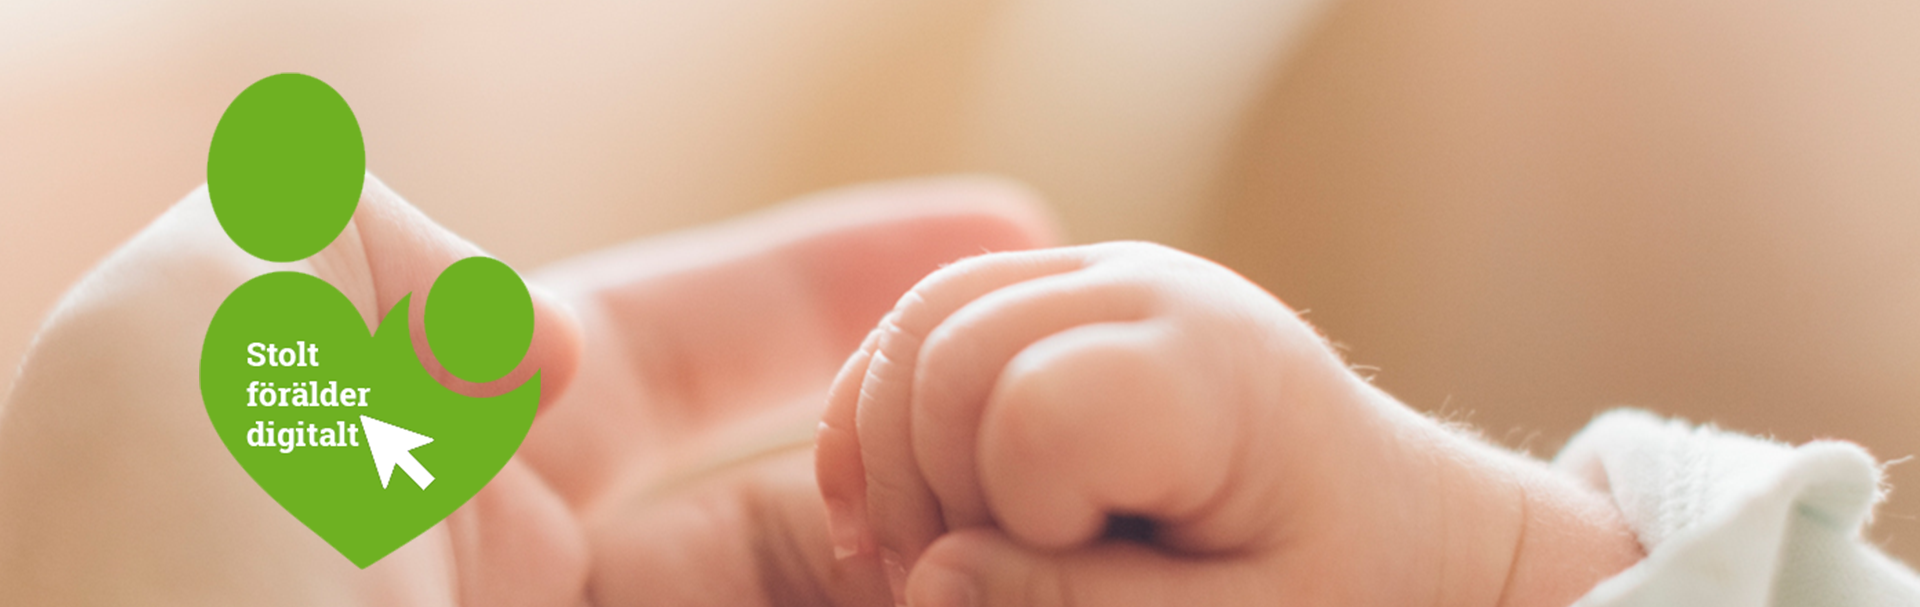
(988, 435)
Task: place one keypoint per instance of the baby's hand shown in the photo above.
(1018, 415)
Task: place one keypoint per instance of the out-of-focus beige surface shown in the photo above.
(1520, 213)
(543, 130)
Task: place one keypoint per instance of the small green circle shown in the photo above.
(285, 167)
(479, 319)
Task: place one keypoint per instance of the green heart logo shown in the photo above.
(347, 430)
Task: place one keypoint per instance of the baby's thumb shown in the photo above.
(978, 567)
(391, 250)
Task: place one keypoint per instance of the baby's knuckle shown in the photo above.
(1140, 251)
(965, 267)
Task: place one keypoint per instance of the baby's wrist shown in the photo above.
(1518, 535)
(1483, 512)
(1573, 538)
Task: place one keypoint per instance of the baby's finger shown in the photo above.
(1105, 420)
(836, 458)
(963, 358)
(984, 567)
(902, 512)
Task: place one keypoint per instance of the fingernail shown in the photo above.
(847, 530)
(945, 587)
(896, 576)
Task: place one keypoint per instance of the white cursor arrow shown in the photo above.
(390, 445)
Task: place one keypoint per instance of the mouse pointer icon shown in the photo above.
(390, 445)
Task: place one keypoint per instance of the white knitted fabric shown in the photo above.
(1731, 520)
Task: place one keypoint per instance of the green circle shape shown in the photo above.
(479, 319)
(285, 167)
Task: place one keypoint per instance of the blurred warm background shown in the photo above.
(1518, 212)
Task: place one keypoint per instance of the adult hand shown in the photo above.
(684, 446)
(113, 488)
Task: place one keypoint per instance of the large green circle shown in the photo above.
(285, 167)
(479, 319)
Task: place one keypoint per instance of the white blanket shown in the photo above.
(1731, 520)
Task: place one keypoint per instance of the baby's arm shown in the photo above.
(1012, 407)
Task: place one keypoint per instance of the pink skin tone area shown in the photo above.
(984, 435)
(649, 476)
(661, 359)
